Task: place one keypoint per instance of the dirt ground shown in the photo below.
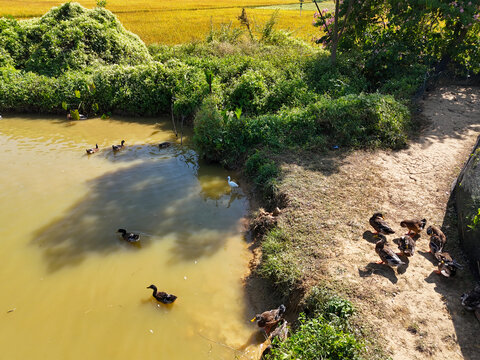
(414, 312)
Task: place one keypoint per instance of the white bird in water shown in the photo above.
(232, 184)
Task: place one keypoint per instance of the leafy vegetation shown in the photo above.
(475, 222)
(317, 338)
(69, 37)
(403, 37)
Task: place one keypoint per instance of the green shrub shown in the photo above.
(70, 37)
(316, 338)
(263, 172)
(340, 80)
(209, 129)
(247, 92)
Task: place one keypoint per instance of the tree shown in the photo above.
(434, 32)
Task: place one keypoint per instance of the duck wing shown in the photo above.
(389, 256)
(380, 225)
(436, 244)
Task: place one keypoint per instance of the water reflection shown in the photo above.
(163, 194)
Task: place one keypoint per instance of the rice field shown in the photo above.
(174, 22)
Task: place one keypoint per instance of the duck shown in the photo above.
(162, 296)
(471, 301)
(446, 265)
(93, 150)
(130, 237)
(232, 184)
(164, 145)
(437, 239)
(406, 245)
(118, 147)
(436, 244)
(414, 225)
(80, 117)
(380, 225)
(269, 319)
(280, 333)
(386, 254)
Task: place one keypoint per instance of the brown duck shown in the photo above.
(386, 254)
(414, 225)
(269, 319)
(406, 245)
(437, 239)
(161, 296)
(446, 265)
(93, 150)
(118, 147)
(380, 225)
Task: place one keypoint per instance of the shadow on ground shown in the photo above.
(451, 289)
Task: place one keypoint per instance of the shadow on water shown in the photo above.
(159, 196)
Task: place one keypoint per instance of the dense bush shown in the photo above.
(69, 37)
(138, 90)
(364, 120)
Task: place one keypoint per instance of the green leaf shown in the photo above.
(77, 93)
(64, 105)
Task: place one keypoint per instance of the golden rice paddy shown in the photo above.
(175, 22)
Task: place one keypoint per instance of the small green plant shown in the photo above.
(75, 112)
(475, 223)
(101, 3)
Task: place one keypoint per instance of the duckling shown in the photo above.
(406, 245)
(414, 225)
(380, 225)
(164, 144)
(130, 237)
(161, 296)
(446, 265)
(269, 319)
(386, 254)
(118, 147)
(471, 301)
(93, 150)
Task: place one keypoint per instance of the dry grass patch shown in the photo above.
(414, 312)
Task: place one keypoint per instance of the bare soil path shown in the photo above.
(416, 312)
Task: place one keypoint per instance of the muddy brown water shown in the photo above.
(72, 288)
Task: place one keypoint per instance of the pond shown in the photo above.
(73, 288)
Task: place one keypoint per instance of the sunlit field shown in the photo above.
(175, 22)
(177, 27)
